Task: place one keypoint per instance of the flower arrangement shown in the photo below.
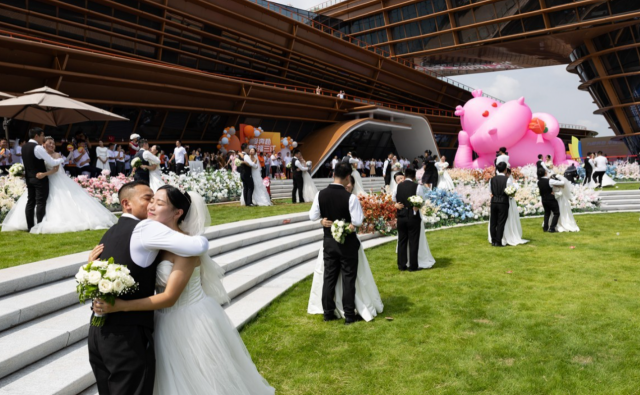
(11, 188)
(238, 162)
(17, 170)
(136, 163)
(214, 186)
(452, 209)
(288, 165)
(103, 188)
(429, 213)
(340, 230)
(379, 214)
(416, 201)
(103, 280)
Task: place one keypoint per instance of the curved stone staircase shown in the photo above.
(43, 329)
(281, 189)
(612, 201)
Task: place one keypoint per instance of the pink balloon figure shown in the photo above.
(488, 125)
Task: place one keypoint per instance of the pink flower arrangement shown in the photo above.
(104, 188)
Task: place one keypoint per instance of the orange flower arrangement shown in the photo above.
(379, 214)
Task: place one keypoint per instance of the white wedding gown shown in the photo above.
(425, 259)
(392, 185)
(444, 180)
(155, 176)
(566, 222)
(368, 301)
(309, 189)
(198, 350)
(260, 195)
(606, 182)
(357, 188)
(512, 229)
(69, 209)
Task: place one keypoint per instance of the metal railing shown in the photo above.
(569, 126)
(324, 5)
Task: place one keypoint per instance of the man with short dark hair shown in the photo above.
(333, 204)
(408, 221)
(34, 157)
(549, 202)
(297, 167)
(588, 169)
(499, 205)
(600, 168)
(386, 169)
(180, 156)
(6, 159)
(245, 175)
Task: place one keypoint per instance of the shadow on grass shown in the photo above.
(441, 263)
(396, 304)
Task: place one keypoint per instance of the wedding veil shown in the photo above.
(211, 274)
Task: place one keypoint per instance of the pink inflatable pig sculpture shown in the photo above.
(488, 125)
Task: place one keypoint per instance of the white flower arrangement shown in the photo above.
(429, 213)
(16, 170)
(103, 280)
(340, 230)
(510, 191)
(416, 201)
(136, 162)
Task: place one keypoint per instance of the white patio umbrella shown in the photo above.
(50, 107)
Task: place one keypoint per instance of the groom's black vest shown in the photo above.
(498, 185)
(405, 190)
(32, 165)
(546, 190)
(141, 174)
(117, 243)
(334, 206)
(295, 171)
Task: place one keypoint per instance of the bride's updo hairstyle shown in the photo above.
(178, 200)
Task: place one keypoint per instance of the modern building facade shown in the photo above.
(185, 70)
(597, 39)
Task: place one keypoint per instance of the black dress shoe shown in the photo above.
(416, 270)
(353, 320)
(545, 230)
(493, 244)
(402, 269)
(332, 317)
(499, 245)
(553, 231)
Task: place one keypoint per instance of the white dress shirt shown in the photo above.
(334, 163)
(287, 160)
(42, 154)
(352, 161)
(149, 157)
(503, 158)
(112, 156)
(601, 163)
(179, 154)
(384, 167)
(554, 183)
(149, 237)
(355, 209)
(301, 165)
(378, 164)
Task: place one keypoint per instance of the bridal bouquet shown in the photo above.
(440, 172)
(103, 280)
(557, 194)
(396, 167)
(308, 163)
(416, 201)
(340, 230)
(288, 165)
(17, 170)
(238, 162)
(136, 162)
(510, 191)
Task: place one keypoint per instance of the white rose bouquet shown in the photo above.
(340, 230)
(416, 201)
(17, 170)
(396, 167)
(289, 165)
(136, 162)
(510, 191)
(308, 163)
(238, 162)
(103, 280)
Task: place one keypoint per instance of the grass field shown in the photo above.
(542, 318)
(624, 187)
(17, 248)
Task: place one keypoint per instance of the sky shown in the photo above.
(546, 89)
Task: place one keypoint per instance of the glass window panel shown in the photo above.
(72, 32)
(173, 125)
(125, 16)
(415, 45)
(428, 25)
(464, 18)
(446, 39)
(506, 8)
(150, 123)
(124, 30)
(42, 8)
(146, 36)
(70, 15)
(412, 29)
(460, 3)
(563, 17)
(400, 48)
(192, 62)
(622, 6)
(398, 32)
(599, 93)
(512, 27)
(123, 45)
(97, 7)
(629, 60)
(634, 85)
(553, 3)
(169, 56)
(122, 130)
(484, 13)
(99, 23)
(16, 3)
(533, 23)
(149, 23)
(92, 129)
(602, 42)
(395, 15)
(433, 42)
(443, 22)
(382, 36)
(589, 69)
(622, 90)
(611, 64)
(622, 37)
(409, 12)
(98, 38)
(468, 35)
(439, 5)
(425, 8)
(41, 24)
(488, 31)
(146, 50)
(590, 12)
(14, 18)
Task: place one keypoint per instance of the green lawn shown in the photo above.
(624, 187)
(542, 318)
(17, 248)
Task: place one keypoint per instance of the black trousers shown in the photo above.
(247, 187)
(298, 183)
(119, 168)
(597, 177)
(38, 192)
(387, 178)
(340, 258)
(550, 207)
(274, 170)
(179, 168)
(122, 359)
(408, 234)
(499, 214)
(587, 178)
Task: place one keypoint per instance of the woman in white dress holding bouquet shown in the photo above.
(368, 301)
(563, 195)
(444, 179)
(309, 189)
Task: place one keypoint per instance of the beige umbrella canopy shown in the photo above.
(5, 95)
(49, 107)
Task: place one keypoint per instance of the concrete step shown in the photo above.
(617, 202)
(634, 193)
(93, 390)
(257, 253)
(233, 228)
(622, 207)
(22, 307)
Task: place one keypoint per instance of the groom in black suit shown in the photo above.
(297, 167)
(499, 205)
(549, 202)
(333, 204)
(142, 172)
(34, 157)
(121, 352)
(245, 175)
(408, 222)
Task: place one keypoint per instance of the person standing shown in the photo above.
(499, 205)
(549, 202)
(297, 167)
(600, 168)
(112, 158)
(334, 162)
(142, 172)
(245, 174)
(274, 165)
(6, 158)
(102, 154)
(134, 144)
(34, 157)
(180, 157)
(408, 222)
(503, 157)
(430, 176)
(335, 203)
(588, 169)
(119, 160)
(386, 169)
(285, 162)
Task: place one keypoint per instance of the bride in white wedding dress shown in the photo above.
(358, 188)
(566, 222)
(155, 175)
(309, 189)
(368, 301)
(198, 350)
(69, 207)
(444, 179)
(260, 194)
(512, 229)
